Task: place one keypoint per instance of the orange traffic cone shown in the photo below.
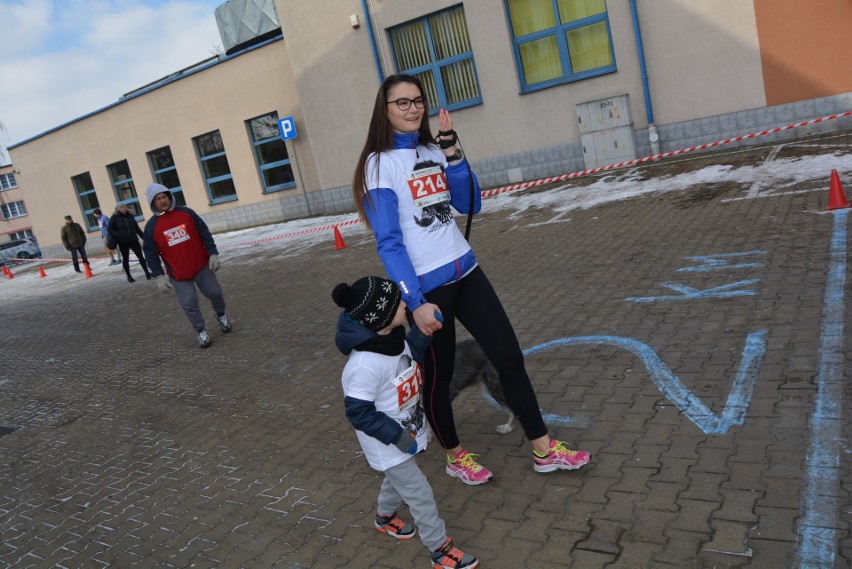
(338, 240)
(88, 271)
(9, 274)
(836, 197)
(41, 273)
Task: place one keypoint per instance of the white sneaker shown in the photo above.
(203, 339)
(224, 323)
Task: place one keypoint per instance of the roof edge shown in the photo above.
(177, 76)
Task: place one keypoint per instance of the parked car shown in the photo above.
(25, 248)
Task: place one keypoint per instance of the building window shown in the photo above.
(559, 41)
(23, 234)
(13, 210)
(165, 172)
(214, 166)
(124, 188)
(270, 152)
(436, 50)
(87, 197)
(7, 181)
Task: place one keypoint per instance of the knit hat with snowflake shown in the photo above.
(370, 301)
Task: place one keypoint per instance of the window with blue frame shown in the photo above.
(560, 41)
(85, 190)
(436, 49)
(215, 168)
(23, 234)
(270, 153)
(123, 187)
(12, 210)
(165, 172)
(7, 181)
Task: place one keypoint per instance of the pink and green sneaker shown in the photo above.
(560, 457)
(466, 469)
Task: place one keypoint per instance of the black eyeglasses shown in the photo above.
(405, 104)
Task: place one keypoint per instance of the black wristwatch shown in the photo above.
(457, 155)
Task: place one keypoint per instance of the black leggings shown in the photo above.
(137, 249)
(473, 301)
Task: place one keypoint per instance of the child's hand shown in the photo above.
(407, 443)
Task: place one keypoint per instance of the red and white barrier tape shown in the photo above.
(55, 259)
(303, 232)
(533, 183)
(523, 185)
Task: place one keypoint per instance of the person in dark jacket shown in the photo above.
(74, 239)
(124, 229)
(180, 237)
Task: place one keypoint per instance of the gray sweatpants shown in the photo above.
(187, 297)
(406, 483)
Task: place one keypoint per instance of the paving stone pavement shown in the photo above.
(134, 448)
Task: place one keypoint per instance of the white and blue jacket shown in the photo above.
(420, 245)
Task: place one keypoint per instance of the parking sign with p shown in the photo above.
(287, 126)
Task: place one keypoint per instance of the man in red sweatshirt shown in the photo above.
(178, 236)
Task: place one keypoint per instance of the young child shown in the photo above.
(381, 388)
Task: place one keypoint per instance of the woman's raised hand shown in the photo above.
(445, 121)
(447, 137)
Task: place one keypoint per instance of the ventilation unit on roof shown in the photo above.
(243, 23)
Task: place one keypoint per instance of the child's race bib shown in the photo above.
(408, 385)
(428, 186)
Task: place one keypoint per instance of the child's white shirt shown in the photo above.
(394, 384)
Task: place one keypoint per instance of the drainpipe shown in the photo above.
(369, 22)
(653, 137)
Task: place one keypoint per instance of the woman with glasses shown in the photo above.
(405, 182)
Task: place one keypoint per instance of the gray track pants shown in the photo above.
(406, 483)
(208, 284)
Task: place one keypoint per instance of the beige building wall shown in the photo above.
(335, 74)
(702, 57)
(703, 60)
(221, 97)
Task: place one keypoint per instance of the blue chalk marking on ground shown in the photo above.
(818, 525)
(671, 386)
(549, 418)
(716, 262)
(689, 293)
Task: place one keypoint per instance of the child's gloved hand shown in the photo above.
(407, 443)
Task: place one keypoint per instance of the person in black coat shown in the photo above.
(124, 229)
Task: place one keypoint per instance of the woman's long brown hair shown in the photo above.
(380, 137)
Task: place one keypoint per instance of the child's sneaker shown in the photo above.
(451, 557)
(466, 469)
(394, 527)
(560, 457)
